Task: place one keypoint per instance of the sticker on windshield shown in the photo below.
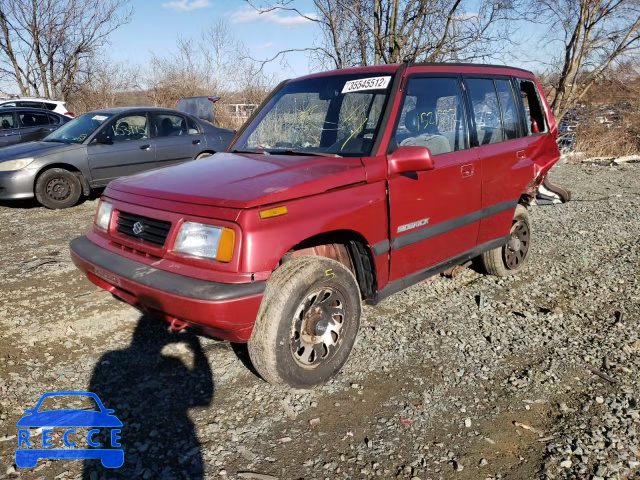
(100, 118)
(371, 83)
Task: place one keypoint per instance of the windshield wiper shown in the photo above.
(260, 152)
(303, 152)
(54, 140)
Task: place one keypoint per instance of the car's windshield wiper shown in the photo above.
(303, 152)
(260, 152)
(54, 140)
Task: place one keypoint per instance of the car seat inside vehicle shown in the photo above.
(423, 125)
(166, 128)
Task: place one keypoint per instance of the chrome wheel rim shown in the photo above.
(517, 248)
(316, 330)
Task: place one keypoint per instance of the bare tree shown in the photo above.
(596, 35)
(365, 32)
(104, 85)
(201, 65)
(46, 45)
(213, 62)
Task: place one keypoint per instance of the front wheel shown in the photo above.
(58, 188)
(307, 323)
(510, 258)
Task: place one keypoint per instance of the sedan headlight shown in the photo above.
(103, 215)
(12, 165)
(205, 241)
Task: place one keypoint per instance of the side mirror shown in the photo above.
(410, 159)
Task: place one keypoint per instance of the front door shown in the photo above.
(434, 215)
(123, 147)
(178, 139)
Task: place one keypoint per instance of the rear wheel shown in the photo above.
(307, 323)
(510, 258)
(204, 155)
(58, 188)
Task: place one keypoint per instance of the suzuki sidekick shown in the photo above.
(343, 187)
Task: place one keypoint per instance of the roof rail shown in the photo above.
(463, 64)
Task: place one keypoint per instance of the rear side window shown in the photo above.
(486, 111)
(170, 125)
(534, 115)
(7, 121)
(50, 106)
(53, 120)
(31, 119)
(508, 109)
(432, 116)
(30, 104)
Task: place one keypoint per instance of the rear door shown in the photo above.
(9, 131)
(499, 145)
(132, 150)
(433, 214)
(34, 125)
(177, 139)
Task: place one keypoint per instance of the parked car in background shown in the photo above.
(345, 186)
(95, 148)
(20, 125)
(40, 103)
(200, 107)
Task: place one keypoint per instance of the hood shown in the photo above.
(35, 149)
(244, 180)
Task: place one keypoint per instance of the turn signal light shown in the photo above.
(274, 212)
(225, 247)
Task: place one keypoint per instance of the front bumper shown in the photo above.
(17, 184)
(223, 310)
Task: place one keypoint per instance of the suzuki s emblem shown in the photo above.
(138, 228)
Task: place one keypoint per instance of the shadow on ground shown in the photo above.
(152, 393)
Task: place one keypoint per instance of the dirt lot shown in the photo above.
(534, 376)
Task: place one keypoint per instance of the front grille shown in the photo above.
(152, 230)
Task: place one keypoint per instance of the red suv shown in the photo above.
(344, 186)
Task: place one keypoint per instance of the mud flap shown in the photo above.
(550, 194)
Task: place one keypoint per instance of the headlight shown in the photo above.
(103, 215)
(205, 241)
(15, 164)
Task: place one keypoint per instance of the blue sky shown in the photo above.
(155, 26)
(157, 23)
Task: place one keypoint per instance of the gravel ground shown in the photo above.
(475, 377)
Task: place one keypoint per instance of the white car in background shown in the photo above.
(41, 103)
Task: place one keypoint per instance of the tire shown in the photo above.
(203, 155)
(281, 348)
(510, 258)
(58, 188)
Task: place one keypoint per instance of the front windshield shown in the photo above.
(335, 115)
(78, 129)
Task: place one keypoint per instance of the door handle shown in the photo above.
(196, 142)
(145, 147)
(467, 170)
(520, 155)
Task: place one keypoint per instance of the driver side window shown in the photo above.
(432, 116)
(132, 127)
